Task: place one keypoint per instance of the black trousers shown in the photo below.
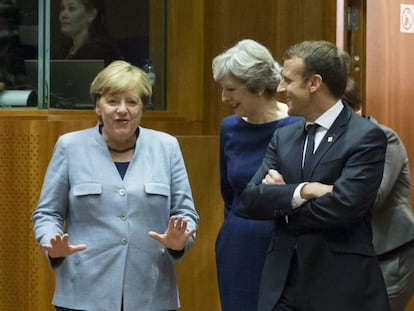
(290, 300)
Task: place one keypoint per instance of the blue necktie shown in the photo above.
(310, 146)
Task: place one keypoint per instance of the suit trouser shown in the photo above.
(397, 268)
(290, 297)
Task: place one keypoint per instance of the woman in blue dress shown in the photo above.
(249, 77)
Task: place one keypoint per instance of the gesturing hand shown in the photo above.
(176, 234)
(60, 246)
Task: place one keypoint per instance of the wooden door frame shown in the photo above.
(351, 36)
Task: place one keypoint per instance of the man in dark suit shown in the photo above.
(321, 257)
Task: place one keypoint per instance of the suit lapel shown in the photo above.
(293, 158)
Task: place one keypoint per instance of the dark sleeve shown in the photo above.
(395, 166)
(267, 201)
(99, 49)
(55, 262)
(176, 254)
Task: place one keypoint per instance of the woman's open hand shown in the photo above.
(176, 234)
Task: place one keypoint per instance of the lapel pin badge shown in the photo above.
(330, 139)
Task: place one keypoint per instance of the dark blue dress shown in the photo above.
(241, 243)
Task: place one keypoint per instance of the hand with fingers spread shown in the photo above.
(60, 246)
(176, 234)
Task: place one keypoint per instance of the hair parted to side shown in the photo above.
(121, 76)
(325, 59)
(252, 64)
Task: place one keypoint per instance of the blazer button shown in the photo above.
(121, 192)
(123, 217)
(124, 241)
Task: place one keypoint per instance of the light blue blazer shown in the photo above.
(83, 188)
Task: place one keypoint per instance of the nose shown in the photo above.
(224, 96)
(63, 15)
(281, 87)
(122, 107)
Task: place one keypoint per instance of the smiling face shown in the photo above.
(120, 114)
(295, 88)
(74, 18)
(237, 96)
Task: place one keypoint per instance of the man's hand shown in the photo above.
(273, 177)
(60, 246)
(314, 190)
(176, 234)
(311, 190)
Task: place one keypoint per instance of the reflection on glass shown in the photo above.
(82, 48)
(93, 30)
(82, 24)
(85, 35)
(70, 81)
(17, 26)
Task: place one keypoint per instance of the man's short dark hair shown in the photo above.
(325, 59)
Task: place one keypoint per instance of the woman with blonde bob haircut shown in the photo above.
(107, 193)
(121, 76)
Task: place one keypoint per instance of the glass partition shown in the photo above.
(18, 41)
(58, 46)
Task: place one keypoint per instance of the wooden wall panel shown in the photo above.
(389, 74)
(157, 49)
(23, 156)
(389, 77)
(185, 50)
(197, 272)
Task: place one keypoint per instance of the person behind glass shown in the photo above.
(107, 191)
(393, 220)
(321, 257)
(82, 21)
(248, 76)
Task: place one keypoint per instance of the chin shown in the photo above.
(291, 112)
(239, 112)
(65, 31)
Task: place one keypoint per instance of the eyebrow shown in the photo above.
(284, 76)
(283, 72)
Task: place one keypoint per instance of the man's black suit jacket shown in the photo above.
(331, 235)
